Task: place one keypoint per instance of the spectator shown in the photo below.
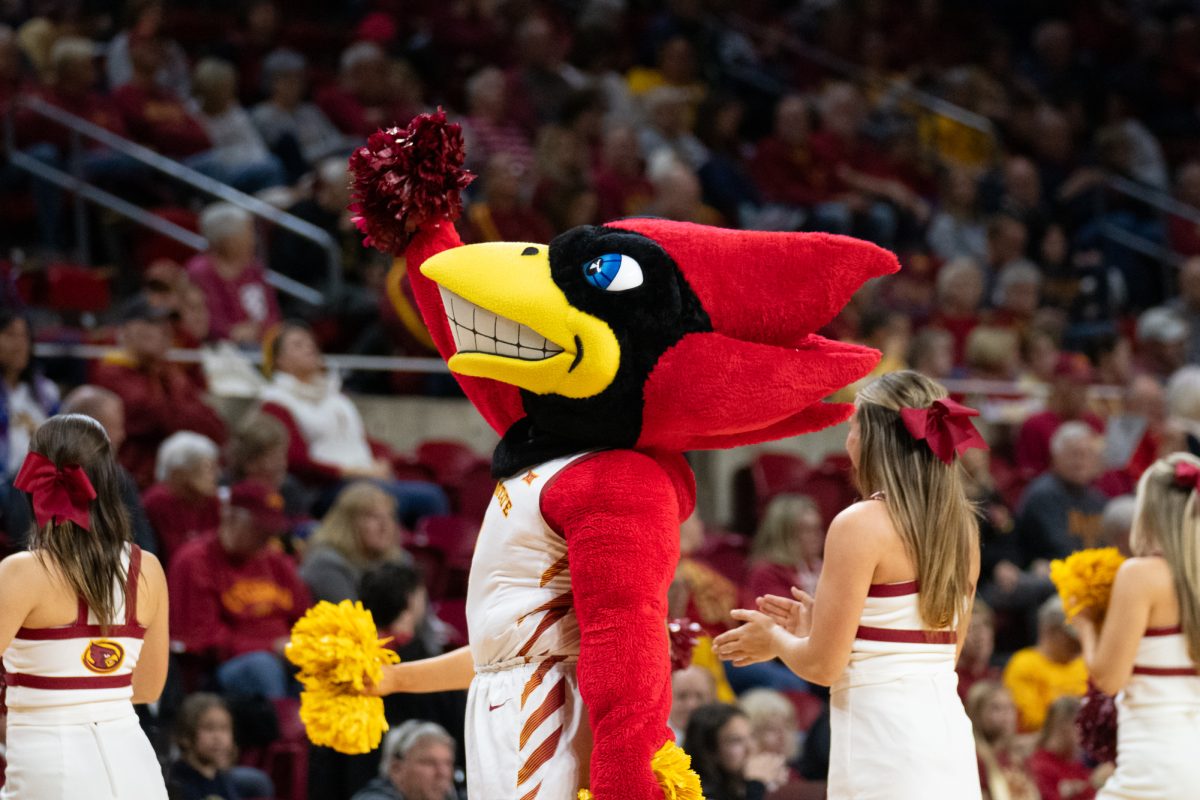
(108, 409)
(504, 213)
(1001, 753)
(772, 723)
(785, 168)
(153, 115)
(721, 745)
(328, 209)
(1007, 239)
(690, 688)
(296, 130)
(669, 128)
(932, 353)
(787, 548)
(358, 102)
(677, 194)
(1053, 668)
(327, 442)
(960, 287)
(417, 764)
(27, 399)
(239, 155)
(358, 530)
(182, 505)
(1057, 764)
(234, 598)
(488, 128)
(71, 86)
(1187, 305)
(622, 189)
(1060, 512)
(1017, 295)
(1067, 403)
(1162, 342)
(144, 23)
(1116, 524)
(205, 768)
(975, 660)
(958, 230)
(241, 305)
(1185, 233)
(159, 398)
(537, 86)
(564, 194)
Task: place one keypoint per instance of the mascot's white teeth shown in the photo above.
(477, 330)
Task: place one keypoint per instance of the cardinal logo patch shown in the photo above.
(103, 656)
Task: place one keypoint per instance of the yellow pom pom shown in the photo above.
(349, 723)
(1085, 578)
(338, 646)
(673, 768)
(339, 653)
(584, 794)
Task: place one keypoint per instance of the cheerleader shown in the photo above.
(83, 629)
(1148, 647)
(892, 604)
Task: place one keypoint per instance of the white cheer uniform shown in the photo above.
(72, 730)
(898, 729)
(527, 733)
(1158, 724)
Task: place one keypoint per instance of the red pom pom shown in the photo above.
(406, 178)
(684, 634)
(1097, 723)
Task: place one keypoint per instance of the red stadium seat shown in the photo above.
(444, 543)
(473, 491)
(777, 473)
(448, 461)
(726, 553)
(71, 287)
(831, 486)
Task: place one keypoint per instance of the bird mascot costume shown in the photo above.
(600, 358)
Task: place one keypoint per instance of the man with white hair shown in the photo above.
(1162, 341)
(182, 505)
(241, 305)
(1060, 511)
(417, 764)
(358, 102)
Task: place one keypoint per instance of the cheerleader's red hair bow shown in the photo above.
(1187, 476)
(945, 426)
(59, 493)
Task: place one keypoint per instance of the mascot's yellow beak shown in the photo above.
(512, 323)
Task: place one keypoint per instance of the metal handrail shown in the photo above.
(827, 60)
(79, 126)
(1153, 197)
(92, 352)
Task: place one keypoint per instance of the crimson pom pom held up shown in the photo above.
(1097, 724)
(405, 178)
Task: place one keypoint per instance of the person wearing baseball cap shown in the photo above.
(159, 397)
(235, 596)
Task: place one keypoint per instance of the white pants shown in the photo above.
(109, 760)
(552, 720)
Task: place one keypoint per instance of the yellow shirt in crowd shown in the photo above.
(1035, 682)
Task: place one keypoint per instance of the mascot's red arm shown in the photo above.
(619, 512)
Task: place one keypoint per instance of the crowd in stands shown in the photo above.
(1045, 275)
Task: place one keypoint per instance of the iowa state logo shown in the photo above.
(103, 656)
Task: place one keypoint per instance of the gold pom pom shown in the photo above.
(1085, 578)
(349, 723)
(339, 654)
(673, 768)
(584, 794)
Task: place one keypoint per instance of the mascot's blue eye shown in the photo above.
(613, 272)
